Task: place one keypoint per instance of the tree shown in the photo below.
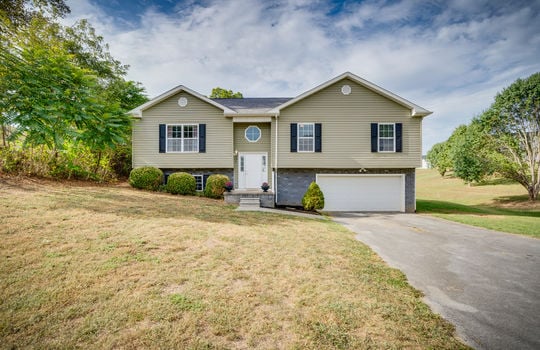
(223, 93)
(19, 13)
(59, 86)
(512, 125)
(469, 161)
(439, 158)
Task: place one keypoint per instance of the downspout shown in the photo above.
(276, 162)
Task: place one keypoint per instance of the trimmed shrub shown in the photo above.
(313, 198)
(181, 183)
(215, 186)
(146, 178)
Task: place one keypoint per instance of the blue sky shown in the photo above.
(451, 57)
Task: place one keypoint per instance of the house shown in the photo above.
(358, 141)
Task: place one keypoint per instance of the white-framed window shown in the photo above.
(199, 182)
(387, 137)
(182, 138)
(306, 137)
(252, 133)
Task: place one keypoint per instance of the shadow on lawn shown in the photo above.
(442, 207)
(145, 204)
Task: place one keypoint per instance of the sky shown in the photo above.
(449, 56)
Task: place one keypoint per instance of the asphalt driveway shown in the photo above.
(486, 283)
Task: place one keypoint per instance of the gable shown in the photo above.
(138, 111)
(331, 102)
(415, 110)
(170, 106)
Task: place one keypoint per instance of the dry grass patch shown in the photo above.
(106, 267)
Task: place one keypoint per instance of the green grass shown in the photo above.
(496, 204)
(111, 267)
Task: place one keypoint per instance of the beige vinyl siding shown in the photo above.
(346, 130)
(263, 145)
(219, 129)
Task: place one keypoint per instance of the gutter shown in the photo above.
(276, 161)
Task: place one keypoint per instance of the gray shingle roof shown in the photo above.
(252, 105)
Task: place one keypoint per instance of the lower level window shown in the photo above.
(199, 182)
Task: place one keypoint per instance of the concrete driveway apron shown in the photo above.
(486, 283)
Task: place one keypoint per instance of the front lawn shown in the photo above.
(87, 266)
(498, 204)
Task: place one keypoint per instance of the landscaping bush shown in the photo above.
(146, 178)
(215, 186)
(313, 198)
(181, 183)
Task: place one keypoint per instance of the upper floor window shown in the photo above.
(183, 138)
(387, 137)
(306, 137)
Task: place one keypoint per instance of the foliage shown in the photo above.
(75, 162)
(468, 154)
(313, 198)
(18, 13)
(439, 158)
(224, 93)
(62, 90)
(512, 126)
(120, 160)
(215, 185)
(146, 178)
(181, 183)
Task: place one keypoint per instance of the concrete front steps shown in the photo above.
(250, 199)
(250, 203)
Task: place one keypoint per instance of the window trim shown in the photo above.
(298, 137)
(182, 144)
(246, 137)
(202, 181)
(386, 138)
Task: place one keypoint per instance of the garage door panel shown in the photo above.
(362, 192)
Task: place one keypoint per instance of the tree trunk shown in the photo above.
(533, 194)
(97, 163)
(4, 129)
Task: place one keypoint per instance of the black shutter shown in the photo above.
(374, 136)
(162, 138)
(202, 138)
(204, 178)
(294, 128)
(318, 137)
(399, 138)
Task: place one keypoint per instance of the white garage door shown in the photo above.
(363, 192)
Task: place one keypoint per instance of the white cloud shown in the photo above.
(450, 57)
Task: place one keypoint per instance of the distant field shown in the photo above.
(498, 205)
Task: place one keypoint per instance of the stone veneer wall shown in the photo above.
(293, 183)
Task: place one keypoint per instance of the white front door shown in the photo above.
(252, 170)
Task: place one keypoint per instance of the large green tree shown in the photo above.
(468, 153)
(60, 87)
(439, 158)
(512, 126)
(51, 96)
